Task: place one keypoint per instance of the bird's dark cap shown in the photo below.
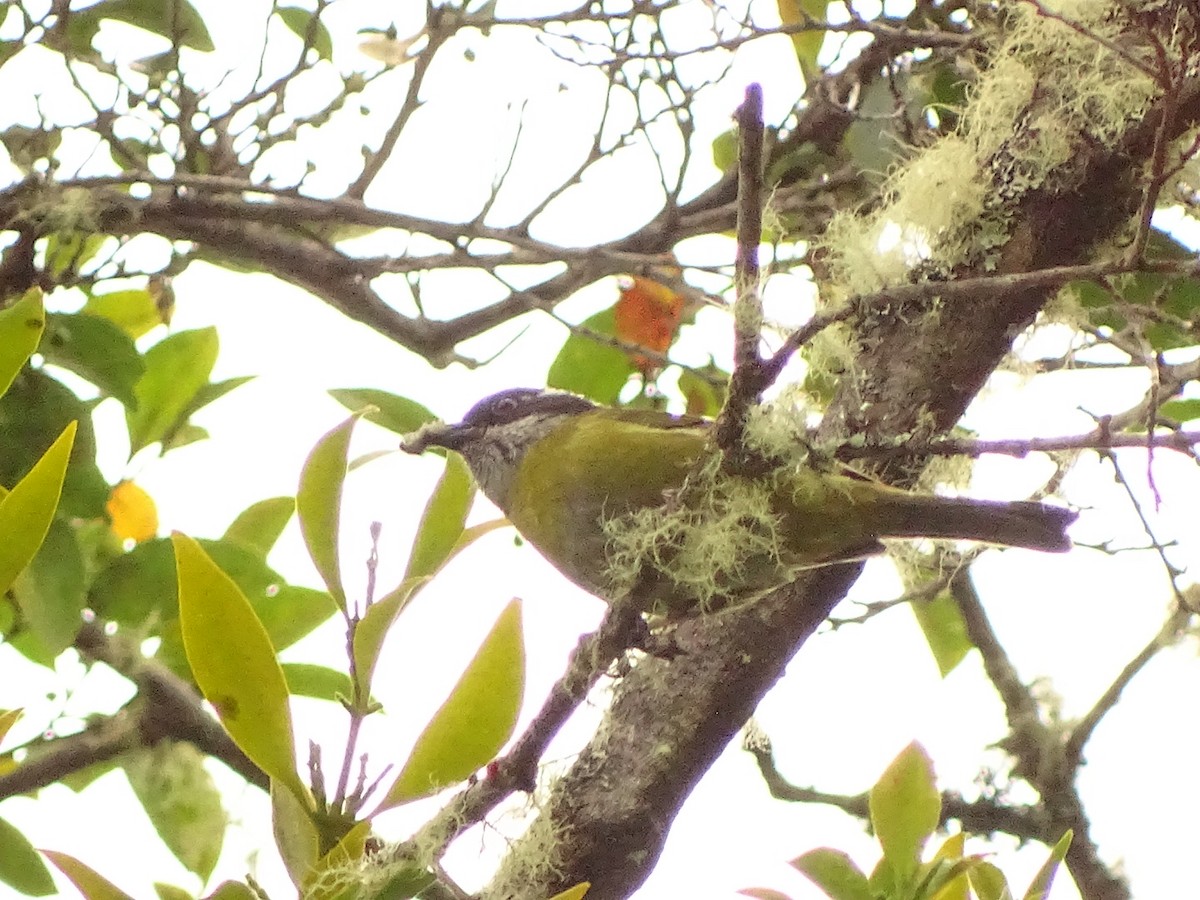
(502, 408)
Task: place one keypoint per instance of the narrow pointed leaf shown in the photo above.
(373, 628)
(835, 873)
(944, 630)
(133, 311)
(395, 413)
(27, 510)
(8, 718)
(1039, 888)
(905, 807)
(20, 866)
(295, 833)
(988, 882)
(260, 524)
(95, 349)
(182, 801)
(87, 880)
(234, 663)
(443, 520)
(319, 503)
(318, 682)
(176, 368)
(21, 327)
(306, 26)
(477, 719)
(50, 591)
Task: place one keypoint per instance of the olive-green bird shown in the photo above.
(559, 466)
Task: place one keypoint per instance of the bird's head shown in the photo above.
(495, 434)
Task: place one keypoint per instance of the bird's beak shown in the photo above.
(437, 434)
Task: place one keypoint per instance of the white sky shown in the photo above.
(850, 700)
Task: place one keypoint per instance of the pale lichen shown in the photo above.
(1053, 85)
(707, 547)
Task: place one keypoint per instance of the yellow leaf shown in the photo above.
(133, 513)
(8, 718)
(234, 664)
(475, 721)
(319, 503)
(21, 327)
(349, 849)
(575, 892)
(27, 510)
(90, 883)
(295, 833)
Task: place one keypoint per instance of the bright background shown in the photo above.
(850, 700)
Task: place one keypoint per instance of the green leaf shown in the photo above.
(290, 612)
(396, 414)
(319, 504)
(87, 880)
(70, 251)
(1179, 411)
(1167, 336)
(1039, 888)
(701, 397)
(21, 327)
(725, 150)
(20, 866)
(214, 391)
(475, 721)
(176, 20)
(233, 890)
(8, 718)
(945, 631)
(443, 520)
(133, 311)
(589, 367)
(318, 682)
(295, 834)
(97, 350)
(139, 588)
(988, 882)
(806, 43)
(259, 525)
(1183, 298)
(834, 873)
(872, 140)
(182, 801)
(171, 892)
(349, 850)
(176, 369)
(33, 413)
(308, 27)
(50, 592)
(234, 664)
(27, 510)
(373, 628)
(905, 808)
(408, 882)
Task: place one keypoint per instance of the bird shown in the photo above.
(564, 469)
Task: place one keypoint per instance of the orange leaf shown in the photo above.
(133, 513)
(648, 314)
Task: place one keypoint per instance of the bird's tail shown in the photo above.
(1036, 526)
